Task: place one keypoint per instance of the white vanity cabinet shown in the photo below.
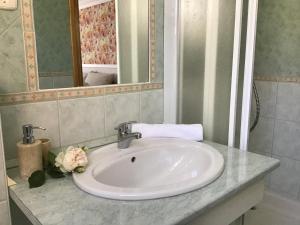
(4, 205)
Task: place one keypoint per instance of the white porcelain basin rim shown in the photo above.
(162, 167)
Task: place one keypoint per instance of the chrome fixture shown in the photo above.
(28, 137)
(125, 135)
(257, 102)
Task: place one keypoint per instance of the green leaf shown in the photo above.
(51, 158)
(80, 169)
(85, 148)
(37, 179)
(54, 171)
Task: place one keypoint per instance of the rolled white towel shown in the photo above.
(192, 132)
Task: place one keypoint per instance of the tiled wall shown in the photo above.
(53, 43)
(278, 134)
(278, 130)
(80, 120)
(12, 60)
(278, 35)
(12, 57)
(55, 80)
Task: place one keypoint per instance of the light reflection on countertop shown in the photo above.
(61, 202)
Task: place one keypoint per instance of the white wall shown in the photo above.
(88, 3)
(4, 207)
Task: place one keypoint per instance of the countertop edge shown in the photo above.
(23, 208)
(232, 192)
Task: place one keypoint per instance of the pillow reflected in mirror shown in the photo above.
(95, 78)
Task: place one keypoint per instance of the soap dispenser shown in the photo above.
(30, 154)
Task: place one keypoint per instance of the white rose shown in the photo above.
(71, 159)
(59, 161)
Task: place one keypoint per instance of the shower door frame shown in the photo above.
(171, 67)
(248, 73)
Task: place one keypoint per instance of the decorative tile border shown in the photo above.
(152, 43)
(54, 74)
(29, 45)
(27, 15)
(123, 89)
(290, 79)
(79, 93)
(28, 97)
(31, 62)
(36, 95)
(151, 86)
(70, 93)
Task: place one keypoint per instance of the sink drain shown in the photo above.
(133, 159)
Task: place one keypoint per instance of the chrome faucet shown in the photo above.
(125, 135)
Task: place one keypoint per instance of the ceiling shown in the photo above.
(88, 3)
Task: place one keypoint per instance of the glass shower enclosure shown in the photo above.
(213, 87)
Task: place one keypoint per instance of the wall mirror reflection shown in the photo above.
(91, 42)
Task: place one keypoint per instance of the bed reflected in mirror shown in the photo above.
(98, 35)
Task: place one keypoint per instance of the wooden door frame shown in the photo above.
(75, 42)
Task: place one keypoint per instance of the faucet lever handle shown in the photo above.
(125, 127)
(40, 128)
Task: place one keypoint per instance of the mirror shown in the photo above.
(92, 42)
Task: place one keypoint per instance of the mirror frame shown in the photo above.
(34, 94)
(75, 42)
(28, 23)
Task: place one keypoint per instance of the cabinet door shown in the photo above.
(4, 209)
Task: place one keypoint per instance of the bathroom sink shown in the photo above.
(150, 168)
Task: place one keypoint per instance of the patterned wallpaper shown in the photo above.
(278, 38)
(98, 34)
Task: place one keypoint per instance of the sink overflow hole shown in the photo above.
(133, 159)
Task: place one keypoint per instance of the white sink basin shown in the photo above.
(150, 168)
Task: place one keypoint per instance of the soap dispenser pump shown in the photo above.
(28, 133)
(30, 154)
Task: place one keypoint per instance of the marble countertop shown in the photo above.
(60, 202)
